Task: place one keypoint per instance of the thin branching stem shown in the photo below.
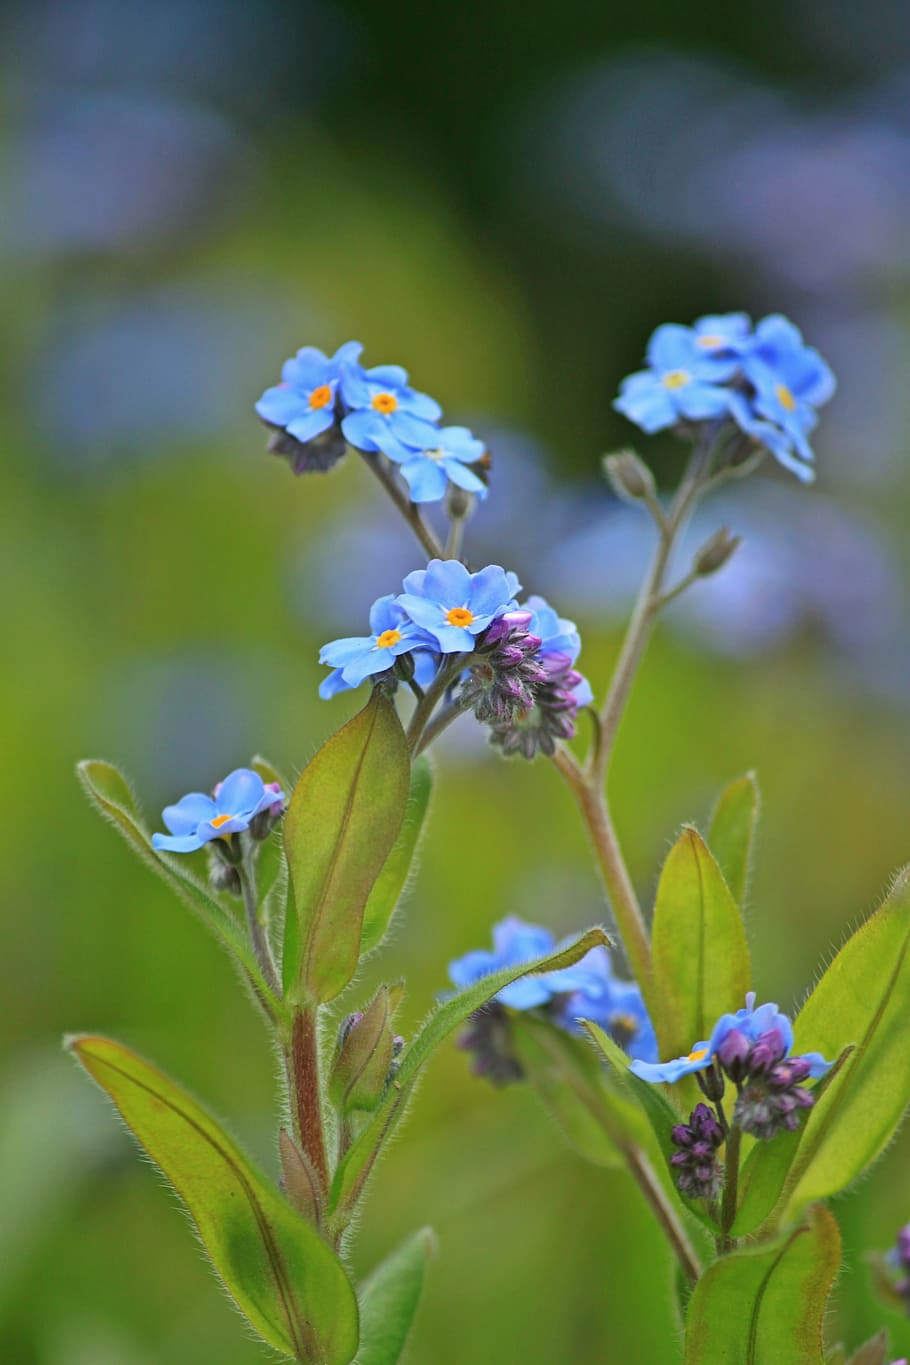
(411, 513)
(257, 933)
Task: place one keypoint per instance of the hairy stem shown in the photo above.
(449, 670)
(258, 936)
(592, 803)
(306, 1091)
(411, 513)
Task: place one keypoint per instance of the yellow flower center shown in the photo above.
(459, 616)
(697, 1055)
(321, 397)
(384, 403)
(711, 343)
(218, 820)
(785, 397)
(676, 379)
(387, 639)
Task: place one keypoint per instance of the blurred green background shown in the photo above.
(505, 198)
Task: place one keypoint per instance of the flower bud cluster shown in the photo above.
(699, 1173)
(505, 671)
(771, 1084)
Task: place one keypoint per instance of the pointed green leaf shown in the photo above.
(699, 951)
(111, 794)
(731, 832)
(569, 1082)
(344, 818)
(389, 1300)
(354, 1170)
(863, 997)
(283, 1277)
(766, 1305)
(393, 879)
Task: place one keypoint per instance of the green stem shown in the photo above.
(448, 671)
(257, 934)
(306, 1091)
(441, 721)
(411, 513)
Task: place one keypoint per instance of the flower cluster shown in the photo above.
(764, 383)
(752, 1049)
(518, 676)
(587, 990)
(242, 801)
(326, 403)
(698, 1172)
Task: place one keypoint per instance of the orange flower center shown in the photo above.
(711, 343)
(387, 639)
(219, 820)
(321, 397)
(785, 397)
(459, 616)
(676, 379)
(384, 402)
(697, 1055)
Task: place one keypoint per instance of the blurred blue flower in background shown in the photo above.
(616, 1005)
(684, 379)
(514, 942)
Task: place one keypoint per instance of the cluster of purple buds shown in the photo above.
(487, 1037)
(505, 671)
(770, 1084)
(699, 1173)
(551, 718)
(899, 1258)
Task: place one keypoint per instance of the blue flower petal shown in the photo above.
(311, 424)
(184, 843)
(464, 477)
(241, 791)
(183, 817)
(426, 479)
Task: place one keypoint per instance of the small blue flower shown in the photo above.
(446, 460)
(514, 942)
(616, 1005)
(356, 658)
(722, 334)
(385, 413)
(732, 1035)
(787, 381)
(304, 403)
(196, 819)
(455, 606)
(685, 380)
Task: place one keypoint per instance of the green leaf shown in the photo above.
(392, 880)
(863, 997)
(111, 794)
(699, 950)
(569, 1082)
(765, 1306)
(731, 832)
(764, 1173)
(360, 1068)
(354, 1170)
(389, 1300)
(283, 1277)
(344, 817)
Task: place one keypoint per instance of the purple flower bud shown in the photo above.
(733, 1054)
(699, 1173)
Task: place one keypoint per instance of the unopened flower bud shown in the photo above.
(459, 503)
(715, 552)
(629, 476)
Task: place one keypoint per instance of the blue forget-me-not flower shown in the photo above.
(447, 459)
(455, 606)
(385, 413)
(197, 819)
(392, 633)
